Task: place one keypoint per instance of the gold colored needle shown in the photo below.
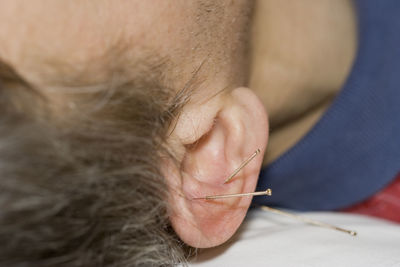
(242, 165)
(267, 192)
(309, 221)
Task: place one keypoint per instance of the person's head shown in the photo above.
(113, 116)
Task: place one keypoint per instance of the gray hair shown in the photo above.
(85, 188)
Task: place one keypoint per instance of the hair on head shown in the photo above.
(84, 188)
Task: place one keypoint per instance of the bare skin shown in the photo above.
(302, 52)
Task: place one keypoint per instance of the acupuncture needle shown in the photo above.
(242, 165)
(267, 192)
(308, 220)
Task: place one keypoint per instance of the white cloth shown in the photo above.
(267, 239)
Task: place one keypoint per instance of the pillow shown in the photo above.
(268, 239)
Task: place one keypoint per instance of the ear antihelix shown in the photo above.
(206, 160)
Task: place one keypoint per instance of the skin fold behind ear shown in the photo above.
(237, 126)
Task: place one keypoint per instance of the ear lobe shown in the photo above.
(239, 128)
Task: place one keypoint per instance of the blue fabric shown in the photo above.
(354, 150)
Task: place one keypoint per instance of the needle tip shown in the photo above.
(268, 192)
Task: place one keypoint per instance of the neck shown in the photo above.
(302, 52)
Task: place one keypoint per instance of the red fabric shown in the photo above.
(384, 204)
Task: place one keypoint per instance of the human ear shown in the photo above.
(216, 136)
